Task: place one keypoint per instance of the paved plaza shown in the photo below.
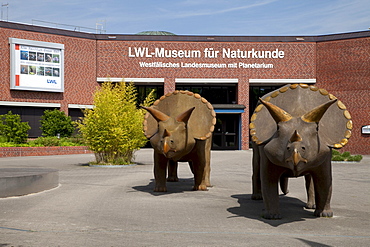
(116, 207)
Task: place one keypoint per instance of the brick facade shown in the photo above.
(41, 151)
(299, 62)
(343, 68)
(340, 64)
(79, 70)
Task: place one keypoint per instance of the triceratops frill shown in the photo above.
(293, 131)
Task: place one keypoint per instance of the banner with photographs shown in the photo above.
(36, 65)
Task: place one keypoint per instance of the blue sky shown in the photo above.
(200, 17)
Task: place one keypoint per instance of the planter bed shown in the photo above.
(42, 151)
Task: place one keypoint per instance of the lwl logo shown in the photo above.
(52, 81)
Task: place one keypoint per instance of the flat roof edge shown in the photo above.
(185, 38)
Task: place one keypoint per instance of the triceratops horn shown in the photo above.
(316, 114)
(295, 137)
(277, 113)
(184, 117)
(158, 115)
(166, 133)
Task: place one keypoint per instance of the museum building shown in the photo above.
(47, 68)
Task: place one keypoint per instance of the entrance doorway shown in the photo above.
(226, 133)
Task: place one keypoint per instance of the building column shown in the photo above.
(64, 107)
(243, 99)
(169, 85)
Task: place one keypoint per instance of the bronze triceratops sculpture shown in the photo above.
(293, 131)
(179, 126)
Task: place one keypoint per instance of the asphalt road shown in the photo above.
(116, 207)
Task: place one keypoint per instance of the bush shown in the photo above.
(12, 129)
(113, 129)
(345, 156)
(45, 142)
(3, 139)
(12, 144)
(337, 158)
(355, 158)
(53, 141)
(335, 152)
(55, 122)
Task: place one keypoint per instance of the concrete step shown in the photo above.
(24, 181)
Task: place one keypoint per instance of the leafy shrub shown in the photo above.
(46, 141)
(335, 152)
(53, 141)
(3, 139)
(337, 158)
(55, 122)
(113, 129)
(12, 129)
(355, 158)
(345, 156)
(12, 144)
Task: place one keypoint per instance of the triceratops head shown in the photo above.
(296, 143)
(172, 138)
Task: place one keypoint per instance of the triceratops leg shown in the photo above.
(160, 169)
(199, 166)
(284, 184)
(256, 177)
(322, 179)
(199, 179)
(270, 175)
(172, 171)
(310, 192)
(207, 168)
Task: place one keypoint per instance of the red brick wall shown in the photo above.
(113, 60)
(343, 68)
(299, 62)
(79, 70)
(41, 151)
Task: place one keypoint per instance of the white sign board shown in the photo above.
(36, 65)
(365, 129)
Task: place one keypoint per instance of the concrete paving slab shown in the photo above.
(116, 207)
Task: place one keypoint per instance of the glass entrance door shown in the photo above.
(226, 133)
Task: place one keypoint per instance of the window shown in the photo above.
(144, 90)
(214, 94)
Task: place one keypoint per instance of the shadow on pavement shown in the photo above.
(291, 209)
(313, 244)
(183, 185)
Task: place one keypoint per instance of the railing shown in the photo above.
(99, 26)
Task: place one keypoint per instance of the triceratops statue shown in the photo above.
(180, 126)
(293, 131)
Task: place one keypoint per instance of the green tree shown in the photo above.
(13, 129)
(55, 122)
(113, 129)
